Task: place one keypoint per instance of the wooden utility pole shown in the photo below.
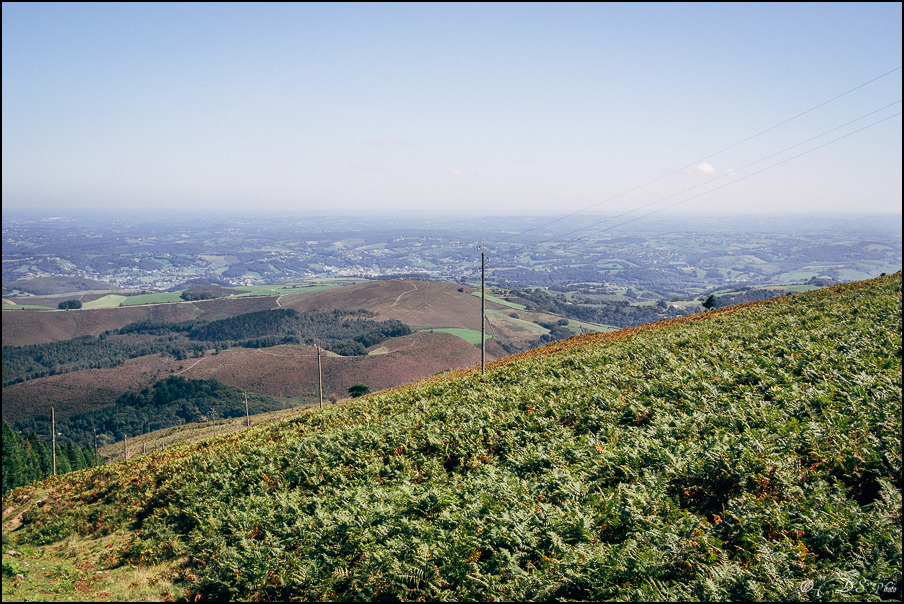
(95, 446)
(53, 438)
(320, 374)
(483, 302)
(247, 417)
(125, 447)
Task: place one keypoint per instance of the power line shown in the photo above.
(710, 156)
(785, 150)
(784, 161)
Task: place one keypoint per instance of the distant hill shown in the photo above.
(49, 286)
(421, 304)
(749, 453)
(282, 371)
(21, 328)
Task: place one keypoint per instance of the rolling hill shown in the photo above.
(751, 453)
(288, 371)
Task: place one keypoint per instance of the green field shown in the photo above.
(796, 289)
(502, 316)
(108, 301)
(161, 298)
(468, 335)
(26, 307)
(501, 301)
(579, 326)
(278, 290)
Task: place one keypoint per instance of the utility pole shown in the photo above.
(125, 447)
(247, 417)
(95, 446)
(483, 302)
(53, 438)
(320, 373)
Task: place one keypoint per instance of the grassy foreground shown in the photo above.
(750, 454)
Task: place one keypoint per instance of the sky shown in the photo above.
(488, 109)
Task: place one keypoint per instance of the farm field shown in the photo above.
(108, 301)
(161, 298)
(498, 300)
(468, 335)
(752, 452)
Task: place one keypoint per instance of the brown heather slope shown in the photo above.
(290, 371)
(426, 305)
(420, 304)
(86, 390)
(283, 371)
(24, 327)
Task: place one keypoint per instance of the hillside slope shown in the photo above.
(282, 371)
(421, 304)
(286, 372)
(750, 454)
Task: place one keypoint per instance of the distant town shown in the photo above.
(662, 258)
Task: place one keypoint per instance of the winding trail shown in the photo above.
(195, 364)
(400, 296)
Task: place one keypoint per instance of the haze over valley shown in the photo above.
(245, 300)
(451, 301)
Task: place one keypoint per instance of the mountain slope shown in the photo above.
(752, 453)
(287, 371)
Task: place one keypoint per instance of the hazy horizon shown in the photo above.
(463, 110)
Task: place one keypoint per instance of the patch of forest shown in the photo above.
(748, 295)
(348, 333)
(619, 313)
(170, 402)
(208, 291)
(664, 282)
(27, 458)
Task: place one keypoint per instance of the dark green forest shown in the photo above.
(27, 459)
(619, 313)
(170, 402)
(348, 333)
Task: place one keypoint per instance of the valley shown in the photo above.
(736, 454)
(149, 299)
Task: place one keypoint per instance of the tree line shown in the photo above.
(169, 402)
(619, 313)
(345, 332)
(27, 459)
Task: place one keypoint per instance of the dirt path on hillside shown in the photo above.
(192, 366)
(403, 294)
(16, 522)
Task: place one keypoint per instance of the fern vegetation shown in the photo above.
(753, 453)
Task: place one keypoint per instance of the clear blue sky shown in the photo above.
(471, 108)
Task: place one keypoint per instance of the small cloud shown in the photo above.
(460, 173)
(386, 142)
(705, 168)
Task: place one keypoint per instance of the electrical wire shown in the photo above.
(785, 150)
(710, 156)
(784, 161)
